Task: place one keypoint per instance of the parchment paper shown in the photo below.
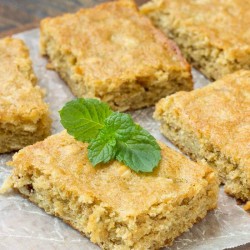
(23, 226)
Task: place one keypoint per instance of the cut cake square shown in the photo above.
(114, 206)
(114, 53)
(213, 35)
(24, 117)
(213, 124)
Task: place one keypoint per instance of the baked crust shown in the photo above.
(114, 53)
(114, 206)
(23, 114)
(213, 123)
(213, 35)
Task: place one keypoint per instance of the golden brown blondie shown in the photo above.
(114, 206)
(114, 53)
(24, 116)
(213, 124)
(213, 34)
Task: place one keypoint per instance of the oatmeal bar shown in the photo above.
(23, 114)
(213, 35)
(114, 53)
(112, 205)
(213, 124)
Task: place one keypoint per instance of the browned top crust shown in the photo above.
(20, 99)
(223, 23)
(218, 113)
(114, 185)
(113, 42)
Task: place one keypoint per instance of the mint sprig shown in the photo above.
(111, 135)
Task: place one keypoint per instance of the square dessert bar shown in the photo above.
(213, 35)
(114, 53)
(213, 124)
(24, 116)
(114, 206)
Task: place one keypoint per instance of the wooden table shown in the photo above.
(20, 15)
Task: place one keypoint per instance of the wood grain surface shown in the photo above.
(20, 15)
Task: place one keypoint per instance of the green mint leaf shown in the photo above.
(139, 150)
(127, 142)
(83, 118)
(102, 148)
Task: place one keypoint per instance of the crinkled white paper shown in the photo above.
(23, 226)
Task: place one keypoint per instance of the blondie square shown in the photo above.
(212, 34)
(112, 205)
(213, 124)
(24, 116)
(114, 53)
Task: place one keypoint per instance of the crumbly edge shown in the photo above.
(26, 68)
(231, 173)
(151, 230)
(212, 61)
(129, 95)
(25, 65)
(16, 136)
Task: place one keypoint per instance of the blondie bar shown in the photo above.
(24, 116)
(213, 35)
(114, 206)
(114, 53)
(213, 124)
